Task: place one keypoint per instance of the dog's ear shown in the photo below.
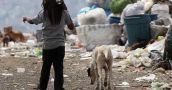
(88, 71)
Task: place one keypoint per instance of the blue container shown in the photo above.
(114, 20)
(138, 28)
(153, 17)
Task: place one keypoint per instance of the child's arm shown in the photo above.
(69, 21)
(36, 20)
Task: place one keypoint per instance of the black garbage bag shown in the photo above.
(158, 60)
(156, 56)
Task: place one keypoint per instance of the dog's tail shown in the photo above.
(108, 54)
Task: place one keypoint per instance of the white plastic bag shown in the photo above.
(161, 9)
(92, 17)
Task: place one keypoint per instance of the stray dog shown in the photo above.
(14, 35)
(101, 59)
(6, 39)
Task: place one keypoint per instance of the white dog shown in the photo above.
(102, 59)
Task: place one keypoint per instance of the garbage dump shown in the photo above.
(145, 65)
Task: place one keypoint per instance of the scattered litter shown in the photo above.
(139, 57)
(156, 56)
(158, 45)
(20, 70)
(38, 52)
(149, 77)
(161, 86)
(32, 85)
(156, 84)
(119, 55)
(16, 84)
(65, 76)
(124, 84)
(7, 74)
(86, 55)
(85, 58)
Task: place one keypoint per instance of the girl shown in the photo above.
(54, 17)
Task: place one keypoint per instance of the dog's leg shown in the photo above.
(109, 81)
(106, 77)
(97, 87)
(110, 73)
(100, 79)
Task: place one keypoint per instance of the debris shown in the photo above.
(159, 70)
(20, 70)
(139, 57)
(149, 77)
(85, 58)
(158, 45)
(32, 85)
(7, 74)
(162, 64)
(156, 84)
(86, 54)
(65, 76)
(124, 84)
(156, 56)
(38, 52)
(119, 55)
(160, 86)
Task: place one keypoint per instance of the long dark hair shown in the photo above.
(54, 9)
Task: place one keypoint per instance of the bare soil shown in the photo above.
(74, 71)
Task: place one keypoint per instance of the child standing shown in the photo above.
(54, 17)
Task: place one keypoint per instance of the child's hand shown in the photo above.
(24, 19)
(28, 19)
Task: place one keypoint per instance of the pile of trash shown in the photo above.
(136, 58)
(20, 49)
(140, 57)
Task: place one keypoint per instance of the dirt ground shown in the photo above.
(74, 72)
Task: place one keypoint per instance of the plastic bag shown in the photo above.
(161, 9)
